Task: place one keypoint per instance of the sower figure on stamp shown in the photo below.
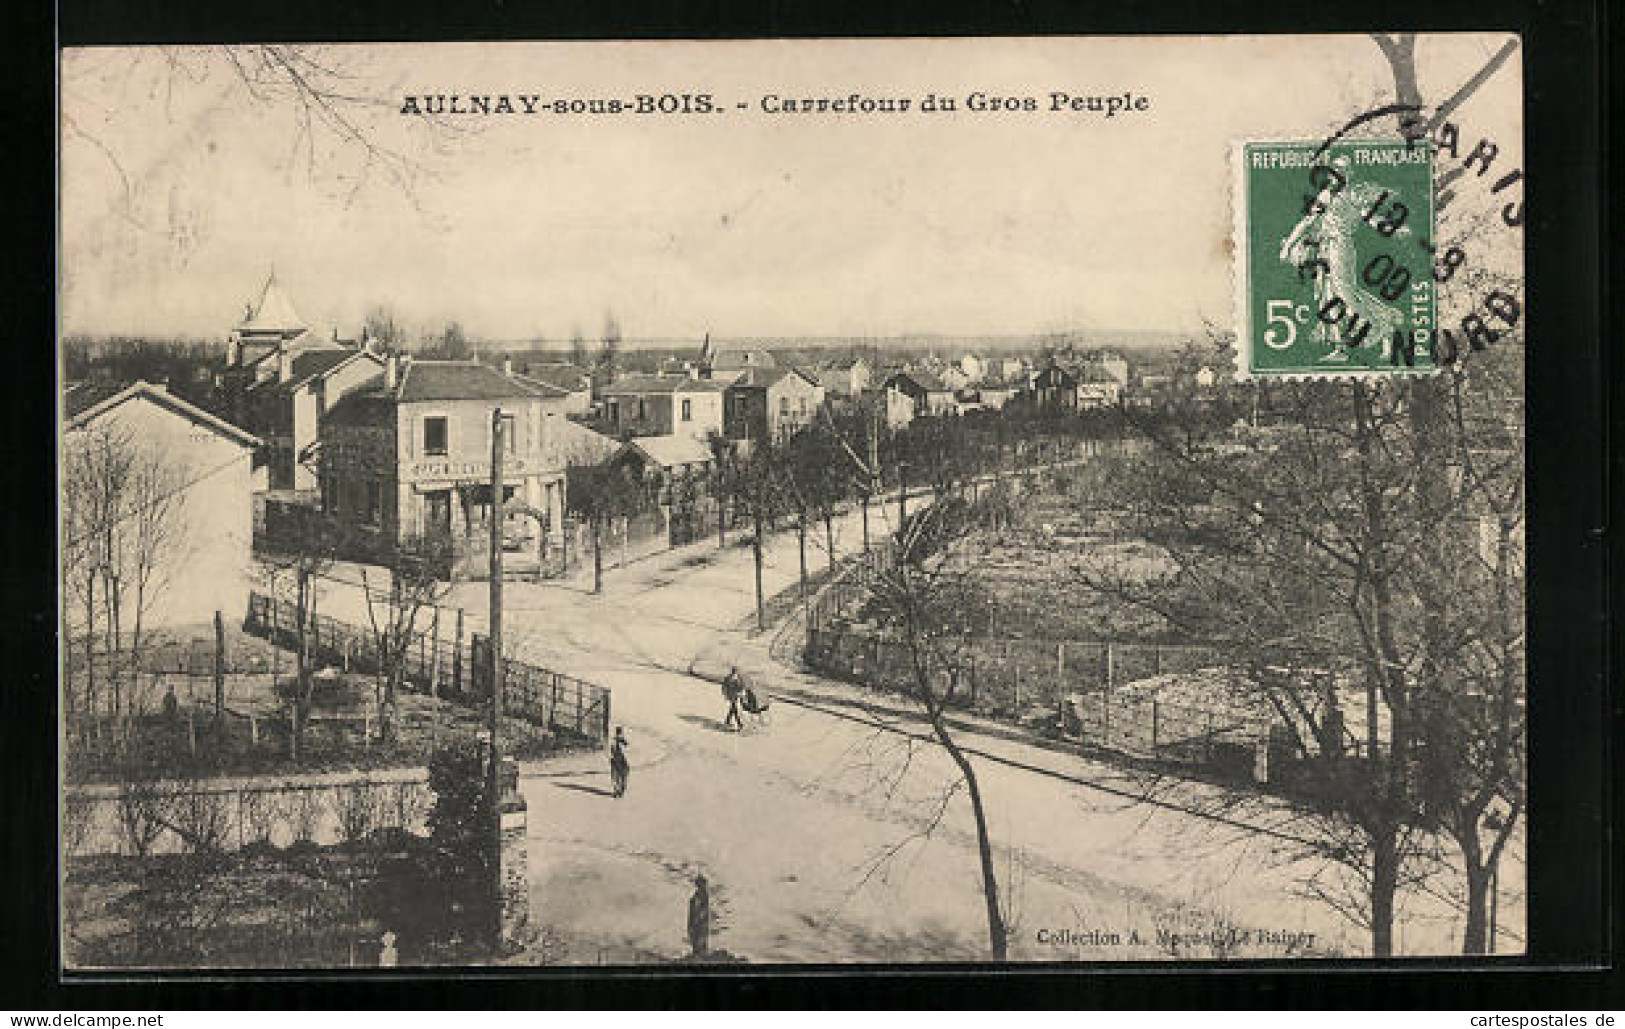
(699, 918)
(618, 765)
(1322, 244)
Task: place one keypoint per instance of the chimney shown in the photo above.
(284, 363)
(392, 372)
(234, 351)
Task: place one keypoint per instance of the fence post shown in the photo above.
(1153, 723)
(580, 707)
(253, 730)
(457, 656)
(434, 670)
(191, 729)
(1110, 666)
(1156, 659)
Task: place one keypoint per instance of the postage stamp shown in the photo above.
(1334, 251)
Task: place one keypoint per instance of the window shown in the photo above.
(434, 435)
(510, 430)
(688, 410)
(375, 501)
(784, 405)
(643, 410)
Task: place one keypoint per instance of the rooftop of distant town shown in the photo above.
(645, 384)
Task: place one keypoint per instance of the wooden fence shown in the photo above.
(446, 668)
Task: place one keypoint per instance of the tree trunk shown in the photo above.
(597, 556)
(1475, 936)
(801, 540)
(863, 505)
(756, 554)
(1384, 883)
(997, 936)
(829, 537)
(219, 668)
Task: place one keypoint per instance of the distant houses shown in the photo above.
(771, 403)
(920, 395)
(664, 405)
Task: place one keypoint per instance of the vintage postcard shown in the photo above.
(748, 503)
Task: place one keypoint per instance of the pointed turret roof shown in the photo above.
(273, 313)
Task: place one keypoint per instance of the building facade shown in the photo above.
(771, 403)
(410, 457)
(654, 405)
(201, 466)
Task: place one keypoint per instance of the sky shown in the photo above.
(187, 176)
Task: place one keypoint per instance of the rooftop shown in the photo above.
(273, 313)
(461, 380)
(85, 403)
(634, 384)
(562, 374)
(670, 451)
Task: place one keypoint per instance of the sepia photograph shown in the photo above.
(719, 504)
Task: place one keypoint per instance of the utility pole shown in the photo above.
(494, 639)
(902, 496)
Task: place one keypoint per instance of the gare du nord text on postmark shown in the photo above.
(1335, 252)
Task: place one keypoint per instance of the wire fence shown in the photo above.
(1075, 687)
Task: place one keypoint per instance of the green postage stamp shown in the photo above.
(1335, 251)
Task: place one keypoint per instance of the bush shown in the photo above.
(462, 830)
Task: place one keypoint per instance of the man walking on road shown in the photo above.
(618, 765)
(732, 686)
(699, 918)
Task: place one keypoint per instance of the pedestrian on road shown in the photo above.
(699, 918)
(618, 765)
(732, 686)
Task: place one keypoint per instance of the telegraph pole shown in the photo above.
(494, 640)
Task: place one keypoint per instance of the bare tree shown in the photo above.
(122, 504)
(384, 328)
(601, 493)
(418, 568)
(298, 565)
(930, 606)
(578, 348)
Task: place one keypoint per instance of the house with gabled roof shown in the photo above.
(921, 395)
(664, 405)
(771, 403)
(575, 381)
(202, 465)
(280, 378)
(410, 456)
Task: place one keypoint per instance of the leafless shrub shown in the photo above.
(78, 815)
(258, 813)
(405, 804)
(202, 820)
(304, 815)
(358, 807)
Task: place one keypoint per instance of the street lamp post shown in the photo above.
(494, 638)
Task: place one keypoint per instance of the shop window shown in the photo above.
(688, 410)
(375, 502)
(434, 435)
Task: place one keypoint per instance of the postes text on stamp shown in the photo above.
(1335, 258)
